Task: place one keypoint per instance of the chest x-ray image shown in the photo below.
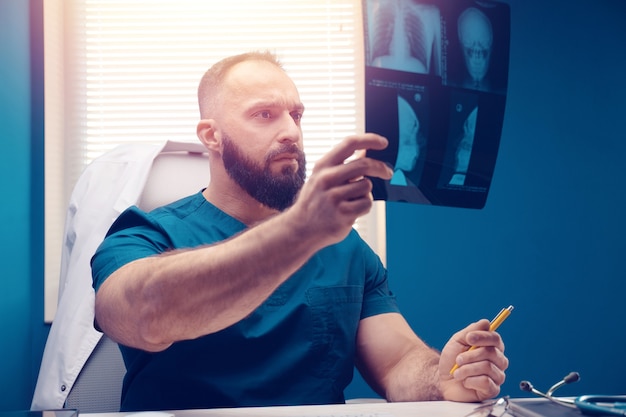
(436, 74)
(404, 35)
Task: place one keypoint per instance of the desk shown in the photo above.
(408, 409)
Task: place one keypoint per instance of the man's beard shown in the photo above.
(277, 191)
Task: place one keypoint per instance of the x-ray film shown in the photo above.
(436, 74)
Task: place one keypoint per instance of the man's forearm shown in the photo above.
(416, 377)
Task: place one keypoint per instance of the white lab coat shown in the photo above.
(108, 186)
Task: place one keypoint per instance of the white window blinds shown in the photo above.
(127, 71)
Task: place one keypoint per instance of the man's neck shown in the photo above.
(234, 201)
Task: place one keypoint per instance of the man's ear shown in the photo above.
(208, 135)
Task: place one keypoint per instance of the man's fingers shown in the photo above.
(346, 148)
(363, 167)
(483, 386)
(355, 190)
(349, 172)
(339, 191)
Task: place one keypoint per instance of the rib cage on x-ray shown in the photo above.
(401, 24)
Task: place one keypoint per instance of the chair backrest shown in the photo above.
(98, 387)
(173, 175)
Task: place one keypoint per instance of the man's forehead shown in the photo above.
(271, 100)
(261, 82)
(255, 72)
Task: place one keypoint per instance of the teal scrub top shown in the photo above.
(298, 347)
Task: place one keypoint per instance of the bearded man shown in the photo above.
(256, 290)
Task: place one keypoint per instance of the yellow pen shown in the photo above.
(495, 323)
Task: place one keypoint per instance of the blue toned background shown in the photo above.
(22, 332)
(549, 241)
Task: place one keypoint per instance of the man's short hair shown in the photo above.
(214, 76)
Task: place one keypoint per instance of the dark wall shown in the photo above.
(551, 238)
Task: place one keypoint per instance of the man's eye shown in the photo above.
(264, 114)
(297, 116)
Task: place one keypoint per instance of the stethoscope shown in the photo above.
(614, 405)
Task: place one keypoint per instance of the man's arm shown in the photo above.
(150, 303)
(401, 367)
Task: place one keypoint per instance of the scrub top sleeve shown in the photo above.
(132, 236)
(377, 297)
(379, 300)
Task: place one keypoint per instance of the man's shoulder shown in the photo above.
(182, 208)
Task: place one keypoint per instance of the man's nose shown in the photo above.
(290, 129)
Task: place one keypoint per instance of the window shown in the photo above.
(119, 71)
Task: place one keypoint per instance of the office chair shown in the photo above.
(174, 170)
